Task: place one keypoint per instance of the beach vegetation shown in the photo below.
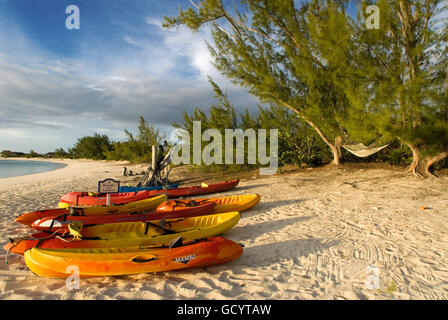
(348, 82)
(59, 153)
(408, 61)
(12, 154)
(91, 147)
(297, 142)
(284, 55)
(33, 154)
(324, 77)
(137, 148)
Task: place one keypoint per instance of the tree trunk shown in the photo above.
(336, 150)
(336, 158)
(414, 167)
(430, 161)
(338, 144)
(421, 167)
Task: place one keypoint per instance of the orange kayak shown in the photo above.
(98, 199)
(170, 209)
(197, 190)
(223, 204)
(61, 222)
(124, 261)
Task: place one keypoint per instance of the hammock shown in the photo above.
(360, 150)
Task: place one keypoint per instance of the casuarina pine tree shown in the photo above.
(285, 52)
(405, 62)
(347, 81)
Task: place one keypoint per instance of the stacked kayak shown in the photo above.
(136, 206)
(141, 231)
(53, 263)
(135, 189)
(197, 190)
(98, 199)
(222, 204)
(55, 219)
(56, 223)
(131, 234)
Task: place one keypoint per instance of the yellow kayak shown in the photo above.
(222, 204)
(131, 234)
(233, 203)
(136, 206)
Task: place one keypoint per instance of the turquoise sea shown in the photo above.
(13, 168)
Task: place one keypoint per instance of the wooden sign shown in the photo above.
(108, 186)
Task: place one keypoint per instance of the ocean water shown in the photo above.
(13, 168)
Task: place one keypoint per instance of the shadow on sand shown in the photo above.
(268, 254)
(225, 193)
(257, 229)
(244, 188)
(264, 206)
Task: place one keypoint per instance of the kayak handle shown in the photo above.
(144, 258)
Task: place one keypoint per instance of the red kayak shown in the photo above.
(98, 199)
(29, 217)
(196, 190)
(61, 222)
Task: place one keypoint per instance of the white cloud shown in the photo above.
(14, 133)
(155, 21)
(110, 90)
(182, 42)
(192, 45)
(33, 93)
(129, 40)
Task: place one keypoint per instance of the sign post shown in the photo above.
(108, 186)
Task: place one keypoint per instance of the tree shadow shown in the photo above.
(264, 206)
(210, 176)
(244, 188)
(256, 229)
(225, 193)
(268, 254)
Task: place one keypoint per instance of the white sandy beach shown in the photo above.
(316, 234)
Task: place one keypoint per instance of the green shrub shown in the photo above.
(137, 149)
(91, 147)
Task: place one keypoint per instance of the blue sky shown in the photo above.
(57, 85)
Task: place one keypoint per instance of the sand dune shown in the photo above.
(317, 234)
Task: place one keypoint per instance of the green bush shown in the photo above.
(302, 146)
(91, 147)
(395, 154)
(297, 142)
(60, 153)
(137, 149)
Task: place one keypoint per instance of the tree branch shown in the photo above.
(194, 4)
